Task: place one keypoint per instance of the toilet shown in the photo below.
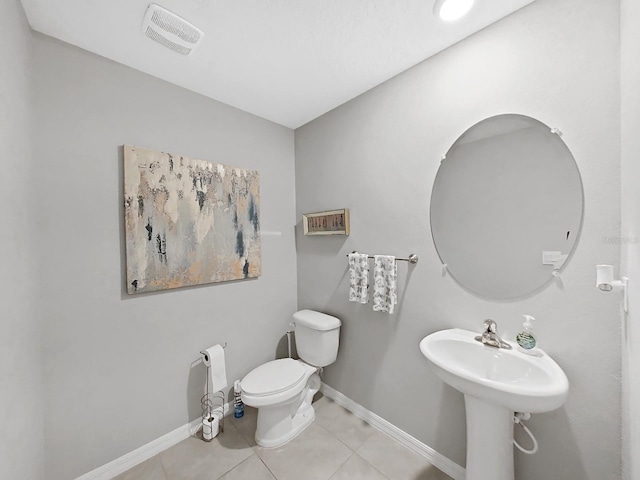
(282, 390)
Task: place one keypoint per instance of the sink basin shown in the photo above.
(496, 382)
(508, 378)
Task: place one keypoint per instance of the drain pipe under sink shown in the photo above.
(518, 418)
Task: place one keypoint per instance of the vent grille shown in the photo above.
(170, 30)
(153, 35)
(175, 25)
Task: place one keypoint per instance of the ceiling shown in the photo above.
(288, 61)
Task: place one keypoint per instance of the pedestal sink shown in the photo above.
(496, 382)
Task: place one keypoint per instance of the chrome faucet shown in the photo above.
(490, 336)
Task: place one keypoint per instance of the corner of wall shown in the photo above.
(22, 440)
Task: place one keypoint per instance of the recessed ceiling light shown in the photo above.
(450, 10)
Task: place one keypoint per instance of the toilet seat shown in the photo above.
(275, 382)
(273, 377)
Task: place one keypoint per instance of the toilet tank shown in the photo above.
(317, 337)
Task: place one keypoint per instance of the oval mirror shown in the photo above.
(506, 206)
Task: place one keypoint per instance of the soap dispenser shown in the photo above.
(526, 339)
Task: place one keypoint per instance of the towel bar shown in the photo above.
(413, 258)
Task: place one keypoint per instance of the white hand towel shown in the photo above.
(214, 359)
(358, 277)
(385, 276)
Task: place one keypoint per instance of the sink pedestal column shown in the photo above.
(489, 441)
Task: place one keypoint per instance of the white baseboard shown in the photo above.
(139, 455)
(436, 459)
(145, 452)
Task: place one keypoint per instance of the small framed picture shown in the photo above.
(331, 222)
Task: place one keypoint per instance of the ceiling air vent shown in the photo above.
(170, 30)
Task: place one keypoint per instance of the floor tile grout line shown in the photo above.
(164, 471)
(372, 466)
(394, 440)
(354, 452)
(236, 466)
(342, 464)
(248, 445)
(394, 433)
(266, 466)
(333, 435)
(342, 442)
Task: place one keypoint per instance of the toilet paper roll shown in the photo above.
(210, 427)
(213, 358)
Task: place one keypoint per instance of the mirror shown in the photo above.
(508, 190)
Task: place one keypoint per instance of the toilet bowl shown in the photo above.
(282, 390)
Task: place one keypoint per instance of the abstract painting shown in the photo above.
(188, 222)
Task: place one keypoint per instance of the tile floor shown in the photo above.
(336, 446)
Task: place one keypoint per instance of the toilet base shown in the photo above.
(283, 429)
(281, 423)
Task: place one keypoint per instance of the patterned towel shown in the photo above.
(385, 275)
(358, 277)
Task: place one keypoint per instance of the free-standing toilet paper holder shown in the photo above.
(212, 404)
(212, 414)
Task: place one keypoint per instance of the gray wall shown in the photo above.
(21, 409)
(378, 155)
(119, 369)
(630, 237)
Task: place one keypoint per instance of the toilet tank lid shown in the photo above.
(316, 320)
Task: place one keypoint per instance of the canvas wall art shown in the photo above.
(188, 222)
